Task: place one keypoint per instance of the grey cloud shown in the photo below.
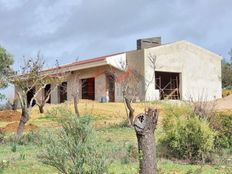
(86, 28)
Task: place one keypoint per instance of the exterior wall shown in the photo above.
(200, 72)
(100, 83)
(135, 60)
(200, 69)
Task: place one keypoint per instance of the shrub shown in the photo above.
(131, 154)
(186, 136)
(30, 137)
(226, 92)
(73, 149)
(3, 164)
(14, 148)
(222, 123)
(58, 113)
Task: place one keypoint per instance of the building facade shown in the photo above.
(175, 71)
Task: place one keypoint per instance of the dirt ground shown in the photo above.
(12, 127)
(13, 118)
(224, 103)
(9, 116)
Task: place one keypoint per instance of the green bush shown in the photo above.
(58, 113)
(184, 135)
(131, 154)
(73, 149)
(3, 165)
(14, 148)
(222, 123)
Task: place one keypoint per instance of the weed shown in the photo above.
(14, 148)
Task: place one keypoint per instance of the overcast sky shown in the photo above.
(71, 29)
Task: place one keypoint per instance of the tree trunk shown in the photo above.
(23, 121)
(14, 105)
(41, 109)
(75, 102)
(145, 125)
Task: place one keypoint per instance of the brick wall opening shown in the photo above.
(88, 88)
(62, 89)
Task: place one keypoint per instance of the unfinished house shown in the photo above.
(179, 71)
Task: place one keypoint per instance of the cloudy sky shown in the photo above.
(67, 30)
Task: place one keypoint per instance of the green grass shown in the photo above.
(115, 138)
(24, 160)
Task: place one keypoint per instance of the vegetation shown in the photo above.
(227, 72)
(226, 75)
(119, 144)
(5, 61)
(185, 135)
(222, 123)
(74, 149)
(31, 79)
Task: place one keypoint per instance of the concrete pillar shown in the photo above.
(54, 95)
(100, 87)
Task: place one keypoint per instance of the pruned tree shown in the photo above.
(145, 123)
(30, 79)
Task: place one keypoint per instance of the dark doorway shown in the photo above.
(30, 95)
(88, 88)
(47, 91)
(110, 80)
(63, 92)
(168, 83)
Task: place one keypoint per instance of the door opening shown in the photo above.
(47, 91)
(88, 88)
(63, 92)
(168, 83)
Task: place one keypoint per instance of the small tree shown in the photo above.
(145, 123)
(31, 79)
(75, 92)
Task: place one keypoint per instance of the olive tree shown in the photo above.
(31, 79)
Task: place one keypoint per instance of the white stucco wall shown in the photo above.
(200, 69)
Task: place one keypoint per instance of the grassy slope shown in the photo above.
(105, 115)
(114, 136)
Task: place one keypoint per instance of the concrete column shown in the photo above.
(54, 95)
(100, 87)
